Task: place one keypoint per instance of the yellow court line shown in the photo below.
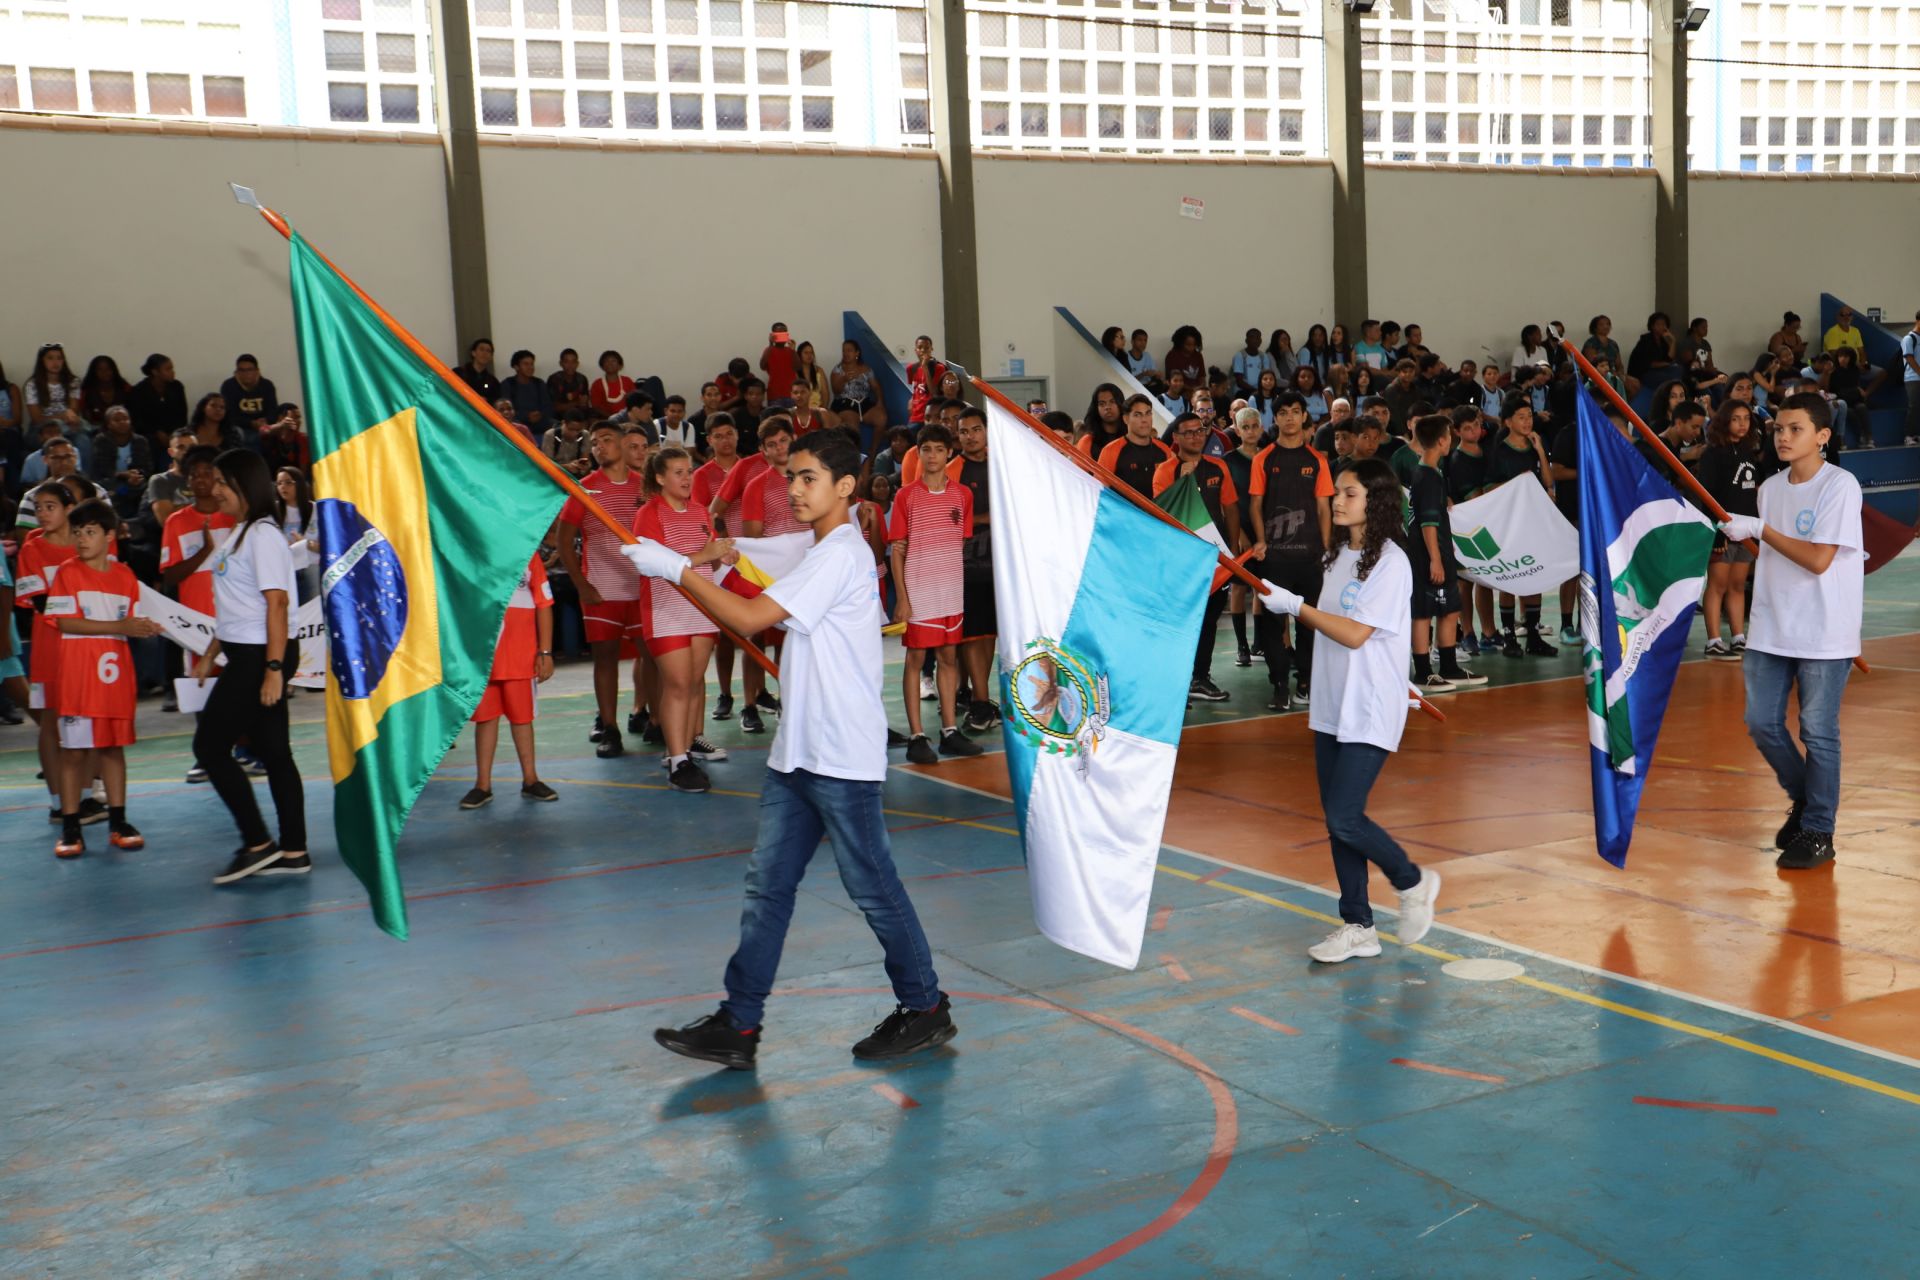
(1597, 1002)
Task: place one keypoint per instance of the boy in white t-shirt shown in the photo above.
(1804, 624)
(824, 770)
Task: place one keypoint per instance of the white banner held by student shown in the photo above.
(1515, 540)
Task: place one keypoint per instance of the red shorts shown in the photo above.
(933, 633)
(658, 645)
(611, 620)
(512, 698)
(87, 733)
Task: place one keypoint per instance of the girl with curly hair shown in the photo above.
(1360, 701)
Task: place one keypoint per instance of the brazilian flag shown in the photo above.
(428, 515)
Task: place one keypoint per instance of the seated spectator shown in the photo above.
(1316, 352)
(569, 444)
(53, 393)
(567, 386)
(1339, 348)
(1400, 392)
(121, 462)
(167, 491)
(1413, 343)
(852, 380)
(1265, 398)
(478, 373)
(1339, 381)
(1370, 350)
(1140, 361)
(1695, 355)
(285, 442)
(1175, 395)
(732, 381)
(675, 428)
(1492, 396)
(1532, 349)
(532, 401)
(1845, 384)
(1249, 363)
(1668, 398)
(887, 461)
(748, 414)
(253, 405)
(158, 402)
(1285, 359)
(1600, 342)
(1186, 356)
(44, 463)
(1685, 435)
(12, 411)
(1603, 365)
(639, 415)
(1654, 355)
(1788, 336)
(806, 368)
(608, 394)
(101, 389)
(1844, 334)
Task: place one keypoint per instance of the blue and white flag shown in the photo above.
(1643, 566)
(1100, 606)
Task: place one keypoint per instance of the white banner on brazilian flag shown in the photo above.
(1099, 608)
(1514, 539)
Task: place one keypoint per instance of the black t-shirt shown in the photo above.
(1135, 464)
(1732, 478)
(1505, 462)
(1428, 508)
(1466, 474)
(1240, 467)
(1566, 453)
(974, 476)
(1289, 502)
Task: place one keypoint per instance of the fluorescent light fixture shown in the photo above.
(1696, 18)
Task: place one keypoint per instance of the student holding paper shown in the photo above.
(253, 588)
(187, 539)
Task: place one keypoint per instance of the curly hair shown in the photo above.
(1385, 512)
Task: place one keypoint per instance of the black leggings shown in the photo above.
(233, 711)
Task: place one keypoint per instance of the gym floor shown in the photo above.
(1697, 1067)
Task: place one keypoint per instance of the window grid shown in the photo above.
(372, 61)
(121, 57)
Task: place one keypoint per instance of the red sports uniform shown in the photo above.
(181, 539)
(708, 478)
(607, 571)
(510, 684)
(672, 620)
(934, 526)
(40, 564)
(95, 691)
(764, 498)
(735, 484)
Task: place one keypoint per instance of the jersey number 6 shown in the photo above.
(108, 669)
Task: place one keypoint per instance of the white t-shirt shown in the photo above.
(1910, 346)
(1796, 614)
(832, 720)
(263, 562)
(1360, 695)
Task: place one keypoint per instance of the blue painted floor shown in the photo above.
(256, 1082)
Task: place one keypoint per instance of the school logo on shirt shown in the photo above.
(1803, 523)
(1350, 596)
(953, 514)
(1059, 703)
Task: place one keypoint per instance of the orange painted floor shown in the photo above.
(1499, 797)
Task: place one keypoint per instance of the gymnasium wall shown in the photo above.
(682, 257)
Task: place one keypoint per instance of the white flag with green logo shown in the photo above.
(1514, 539)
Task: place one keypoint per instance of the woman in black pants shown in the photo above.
(253, 593)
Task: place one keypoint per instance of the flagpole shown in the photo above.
(1688, 481)
(552, 469)
(1232, 567)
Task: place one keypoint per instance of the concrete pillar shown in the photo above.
(952, 119)
(1346, 148)
(455, 113)
(1669, 147)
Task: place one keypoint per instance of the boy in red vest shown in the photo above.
(522, 659)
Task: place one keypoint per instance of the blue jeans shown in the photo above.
(796, 810)
(1347, 771)
(1812, 779)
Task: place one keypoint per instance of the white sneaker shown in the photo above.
(1346, 942)
(1416, 907)
(928, 691)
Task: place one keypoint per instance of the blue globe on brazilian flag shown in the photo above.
(427, 515)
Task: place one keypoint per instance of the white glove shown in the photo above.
(655, 560)
(1279, 599)
(1743, 528)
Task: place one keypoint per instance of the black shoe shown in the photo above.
(247, 861)
(895, 738)
(290, 864)
(599, 728)
(1257, 651)
(637, 724)
(1808, 850)
(1510, 646)
(920, 750)
(1539, 648)
(712, 1039)
(1206, 690)
(475, 798)
(905, 1031)
(169, 707)
(767, 702)
(124, 835)
(982, 716)
(723, 709)
(610, 744)
(537, 790)
(250, 765)
(750, 720)
(654, 736)
(955, 743)
(92, 811)
(1244, 657)
(1785, 835)
(688, 776)
(1278, 702)
(706, 752)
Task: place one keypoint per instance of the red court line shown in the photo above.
(896, 1097)
(1447, 1071)
(1160, 919)
(419, 897)
(1176, 970)
(949, 875)
(1261, 1019)
(1213, 875)
(1707, 1106)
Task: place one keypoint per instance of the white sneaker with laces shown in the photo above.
(1346, 942)
(1416, 907)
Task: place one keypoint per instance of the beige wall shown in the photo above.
(681, 260)
(139, 246)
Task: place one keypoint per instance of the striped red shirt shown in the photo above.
(934, 526)
(764, 498)
(609, 571)
(664, 611)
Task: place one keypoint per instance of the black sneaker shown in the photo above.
(1510, 646)
(712, 1039)
(1278, 702)
(767, 702)
(1243, 657)
(1809, 849)
(750, 721)
(251, 765)
(247, 861)
(92, 811)
(168, 708)
(537, 790)
(955, 743)
(1787, 832)
(124, 835)
(53, 815)
(920, 750)
(599, 728)
(1258, 651)
(895, 738)
(1539, 648)
(655, 736)
(1206, 690)
(906, 1031)
(610, 744)
(290, 864)
(723, 708)
(637, 724)
(982, 716)
(475, 798)
(688, 776)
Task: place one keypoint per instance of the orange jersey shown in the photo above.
(96, 676)
(181, 538)
(519, 644)
(41, 562)
(1134, 463)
